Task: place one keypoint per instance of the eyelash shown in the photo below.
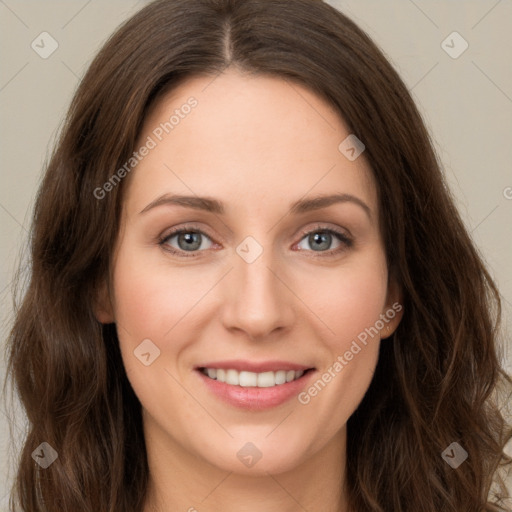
(346, 241)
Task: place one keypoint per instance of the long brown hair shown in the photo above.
(435, 377)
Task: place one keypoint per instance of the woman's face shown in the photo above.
(256, 290)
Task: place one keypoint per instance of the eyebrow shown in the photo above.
(214, 206)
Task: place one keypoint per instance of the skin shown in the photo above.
(256, 143)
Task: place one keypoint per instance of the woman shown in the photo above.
(188, 342)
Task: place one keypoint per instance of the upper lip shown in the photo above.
(254, 366)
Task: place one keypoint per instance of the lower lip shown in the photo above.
(254, 398)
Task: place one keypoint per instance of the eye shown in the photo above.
(192, 240)
(187, 240)
(321, 239)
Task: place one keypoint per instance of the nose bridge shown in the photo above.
(257, 301)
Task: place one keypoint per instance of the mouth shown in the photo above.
(254, 386)
(248, 379)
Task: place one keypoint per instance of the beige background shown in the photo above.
(466, 102)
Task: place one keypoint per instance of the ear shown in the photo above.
(394, 310)
(102, 307)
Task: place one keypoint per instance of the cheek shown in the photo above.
(357, 304)
(152, 298)
(146, 306)
(349, 299)
(157, 303)
(351, 309)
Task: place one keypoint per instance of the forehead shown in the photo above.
(247, 138)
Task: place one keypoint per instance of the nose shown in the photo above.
(258, 300)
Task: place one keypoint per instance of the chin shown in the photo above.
(256, 455)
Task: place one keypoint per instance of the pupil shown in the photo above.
(190, 239)
(319, 237)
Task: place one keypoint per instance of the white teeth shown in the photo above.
(248, 379)
(266, 379)
(280, 377)
(232, 377)
(251, 379)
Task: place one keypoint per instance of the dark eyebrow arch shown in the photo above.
(315, 203)
(197, 203)
(213, 205)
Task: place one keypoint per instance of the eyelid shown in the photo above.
(320, 226)
(182, 228)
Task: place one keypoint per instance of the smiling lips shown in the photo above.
(254, 386)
